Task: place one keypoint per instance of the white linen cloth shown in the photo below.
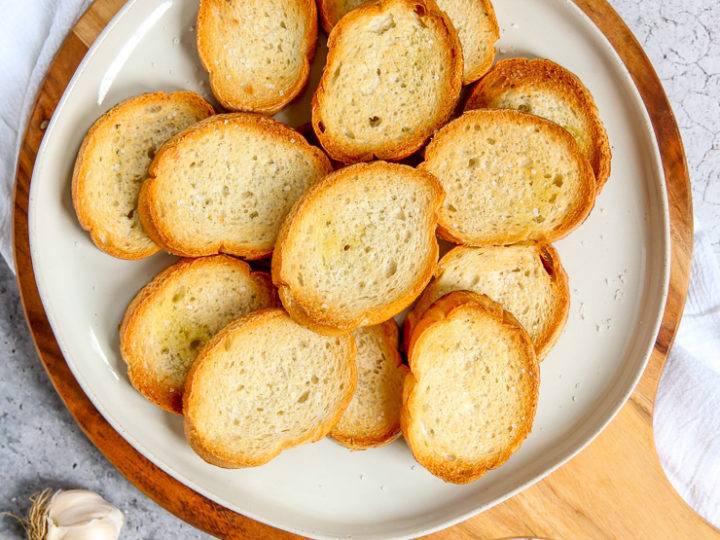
(686, 419)
(687, 411)
(31, 32)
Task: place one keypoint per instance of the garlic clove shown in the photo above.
(79, 514)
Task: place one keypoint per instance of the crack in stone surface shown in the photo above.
(683, 43)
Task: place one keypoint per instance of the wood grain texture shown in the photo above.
(615, 488)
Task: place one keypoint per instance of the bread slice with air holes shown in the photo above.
(175, 314)
(509, 177)
(113, 162)
(224, 185)
(544, 88)
(474, 21)
(264, 384)
(358, 247)
(373, 417)
(393, 76)
(470, 398)
(257, 54)
(527, 280)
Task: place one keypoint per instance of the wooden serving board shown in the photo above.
(615, 488)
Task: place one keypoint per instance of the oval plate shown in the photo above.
(618, 264)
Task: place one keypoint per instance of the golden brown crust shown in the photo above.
(402, 149)
(132, 346)
(84, 163)
(151, 196)
(408, 327)
(442, 308)
(466, 304)
(586, 198)
(215, 453)
(308, 313)
(225, 96)
(146, 218)
(554, 267)
(363, 441)
(551, 261)
(515, 73)
(328, 14)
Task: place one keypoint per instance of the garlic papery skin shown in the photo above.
(78, 514)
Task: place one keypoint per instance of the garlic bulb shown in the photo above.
(78, 514)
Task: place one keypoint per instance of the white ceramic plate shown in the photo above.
(618, 263)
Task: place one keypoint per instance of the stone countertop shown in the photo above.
(40, 444)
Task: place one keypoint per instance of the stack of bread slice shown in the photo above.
(470, 398)
(224, 185)
(261, 362)
(543, 88)
(393, 76)
(174, 315)
(113, 162)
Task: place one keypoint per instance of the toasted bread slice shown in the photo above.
(544, 88)
(393, 76)
(358, 247)
(509, 177)
(175, 314)
(470, 399)
(257, 54)
(225, 185)
(373, 417)
(264, 384)
(113, 162)
(527, 280)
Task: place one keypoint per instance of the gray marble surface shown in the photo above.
(40, 444)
